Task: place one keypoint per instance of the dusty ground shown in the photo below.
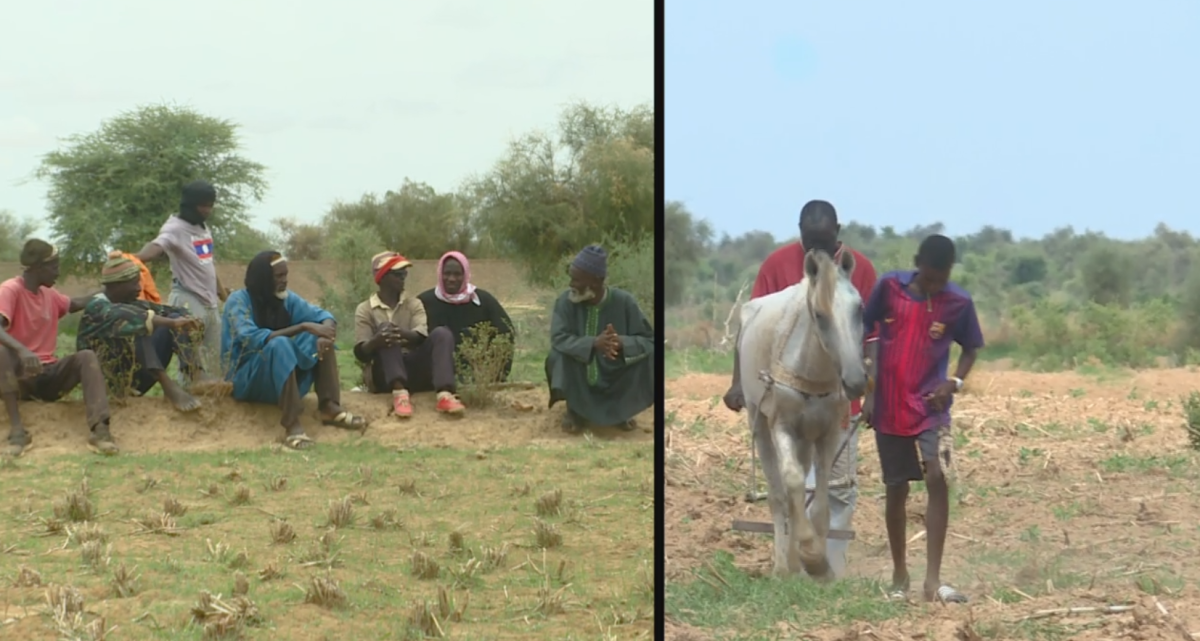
(149, 425)
(1073, 491)
(480, 475)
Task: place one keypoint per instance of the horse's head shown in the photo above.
(836, 308)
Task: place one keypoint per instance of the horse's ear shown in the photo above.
(847, 263)
(811, 266)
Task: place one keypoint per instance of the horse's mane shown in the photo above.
(821, 292)
(816, 294)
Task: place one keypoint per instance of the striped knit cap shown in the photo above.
(119, 270)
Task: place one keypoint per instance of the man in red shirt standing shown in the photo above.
(30, 308)
(819, 230)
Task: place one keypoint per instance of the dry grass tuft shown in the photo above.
(524, 490)
(51, 527)
(76, 505)
(408, 487)
(325, 592)
(282, 532)
(212, 491)
(160, 523)
(324, 553)
(492, 558)
(424, 621)
(424, 566)
(239, 561)
(270, 573)
(360, 498)
(366, 475)
(84, 532)
(241, 585)
(277, 484)
(173, 507)
(547, 535)
(66, 610)
(549, 504)
(124, 581)
(148, 483)
(240, 496)
(341, 513)
(457, 542)
(447, 607)
(221, 619)
(387, 520)
(27, 577)
(95, 554)
(217, 552)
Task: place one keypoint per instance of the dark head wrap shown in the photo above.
(269, 311)
(592, 260)
(195, 193)
(35, 252)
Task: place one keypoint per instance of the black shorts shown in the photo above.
(902, 458)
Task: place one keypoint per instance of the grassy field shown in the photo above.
(1072, 517)
(496, 525)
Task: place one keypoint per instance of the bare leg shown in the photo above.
(10, 388)
(936, 522)
(894, 516)
(292, 406)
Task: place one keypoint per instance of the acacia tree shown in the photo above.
(550, 195)
(114, 187)
(13, 234)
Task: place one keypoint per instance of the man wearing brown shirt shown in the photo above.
(393, 343)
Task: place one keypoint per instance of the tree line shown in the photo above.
(1055, 301)
(590, 180)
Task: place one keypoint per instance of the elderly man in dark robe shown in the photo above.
(135, 340)
(601, 358)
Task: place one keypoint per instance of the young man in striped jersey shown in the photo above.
(919, 314)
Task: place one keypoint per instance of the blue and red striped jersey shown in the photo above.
(915, 333)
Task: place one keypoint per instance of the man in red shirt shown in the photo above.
(919, 313)
(819, 230)
(29, 311)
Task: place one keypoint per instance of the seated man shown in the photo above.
(458, 305)
(278, 345)
(30, 308)
(134, 339)
(606, 376)
(395, 347)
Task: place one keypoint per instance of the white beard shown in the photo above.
(281, 295)
(577, 296)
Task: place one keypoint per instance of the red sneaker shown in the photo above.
(448, 404)
(401, 405)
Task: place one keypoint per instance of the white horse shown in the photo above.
(801, 361)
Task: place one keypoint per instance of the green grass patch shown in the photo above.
(732, 604)
(517, 548)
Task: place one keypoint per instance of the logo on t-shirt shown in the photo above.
(204, 248)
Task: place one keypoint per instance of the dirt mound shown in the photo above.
(148, 425)
(1072, 491)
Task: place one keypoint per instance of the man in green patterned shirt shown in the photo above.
(135, 340)
(601, 358)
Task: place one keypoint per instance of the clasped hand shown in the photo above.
(608, 343)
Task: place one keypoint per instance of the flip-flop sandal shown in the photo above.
(103, 444)
(346, 421)
(298, 442)
(947, 594)
(896, 595)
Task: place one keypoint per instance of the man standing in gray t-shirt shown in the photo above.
(188, 243)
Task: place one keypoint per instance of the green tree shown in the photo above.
(1107, 275)
(685, 241)
(13, 234)
(416, 221)
(549, 196)
(114, 187)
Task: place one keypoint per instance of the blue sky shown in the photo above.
(1027, 115)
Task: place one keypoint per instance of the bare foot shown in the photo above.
(182, 401)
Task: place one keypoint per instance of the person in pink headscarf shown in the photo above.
(458, 305)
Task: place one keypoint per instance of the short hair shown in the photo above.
(817, 211)
(936, 252)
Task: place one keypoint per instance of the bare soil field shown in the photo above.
(1074, 493)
